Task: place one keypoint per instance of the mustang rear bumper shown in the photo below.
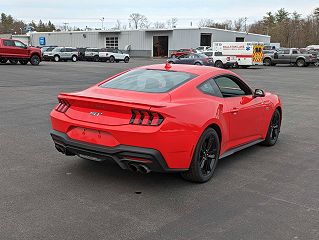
(123, 155)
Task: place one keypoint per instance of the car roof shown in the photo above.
(193, 69)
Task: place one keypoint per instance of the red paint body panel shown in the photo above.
(186, 110)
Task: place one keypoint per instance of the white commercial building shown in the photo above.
(146, 42)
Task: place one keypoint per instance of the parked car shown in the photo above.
(62, 53)
(92, 54)
(183, 51)
(16, 51)
(113, 55)
(220, 60)
(192, 59)
(44, 49)
(201, 49)
(289, 56)
(46, 53)
(166, 118)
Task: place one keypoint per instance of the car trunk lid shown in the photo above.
(109, 106)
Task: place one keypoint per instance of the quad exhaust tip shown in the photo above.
(135, 167)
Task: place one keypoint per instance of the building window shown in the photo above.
(112, 42)
(240, 39)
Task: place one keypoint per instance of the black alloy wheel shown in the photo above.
(205, 158)
(112, 59)
(274, 129)
(35, 60)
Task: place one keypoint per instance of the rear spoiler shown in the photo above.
(112, 100)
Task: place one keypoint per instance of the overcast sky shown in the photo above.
(87, 13)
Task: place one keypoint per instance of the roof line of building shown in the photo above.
(152, 29)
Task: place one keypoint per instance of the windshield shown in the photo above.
(201, 55)
(150, 81)
(49, 49)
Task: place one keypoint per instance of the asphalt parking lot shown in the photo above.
(259, 193)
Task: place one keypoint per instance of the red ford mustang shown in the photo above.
(166, 118)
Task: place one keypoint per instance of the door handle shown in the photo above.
(234, 110)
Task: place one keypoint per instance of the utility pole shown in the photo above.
(246, 24)
(102, 21)
(65, 26)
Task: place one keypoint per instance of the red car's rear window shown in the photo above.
(149, 80)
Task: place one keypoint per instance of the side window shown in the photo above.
(185, 56)
(207, 88)
(218, 54)
(286, 51)
(19, 44)
(232, 87)
(62, 50)
(294, 52)
(8, 43)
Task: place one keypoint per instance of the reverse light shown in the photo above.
(63, 106)
(146, 118)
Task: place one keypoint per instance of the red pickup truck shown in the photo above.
(16, 51)
(181, 52)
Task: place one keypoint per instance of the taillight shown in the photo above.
(146, 118)
(63, 106)
(228, 59)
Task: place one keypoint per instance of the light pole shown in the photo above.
(65, 26)
(246, 24)
(102, 21)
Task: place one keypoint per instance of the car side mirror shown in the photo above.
(259, 93)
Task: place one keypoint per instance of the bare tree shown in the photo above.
(172, 23)
(240, 24)
(138, 20)
(117, 25)
(159, 25)
(205, 22)
(210, 23)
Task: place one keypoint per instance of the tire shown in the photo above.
(23, 62)
(219, 64)
(205, 158)
(57, 58)
(96, 58)
(35, 60)
(267, 62)
(112, 59)
(126, 59)
(273, 129)
(301, 62)
(3, 60)
(13, 61)
(198, 64)
(74, 58)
